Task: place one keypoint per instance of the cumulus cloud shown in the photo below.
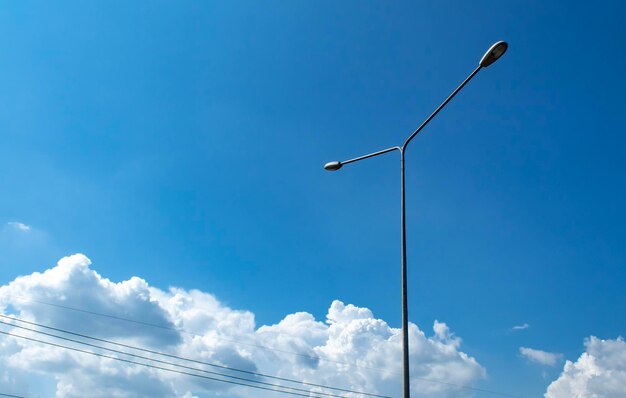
(350, 349)
(18, 226)
(599, 372)
(520, 327)
(541, 357)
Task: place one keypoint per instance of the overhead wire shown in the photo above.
(170, 363)
(11, 395)
(310, 394)
(180, 330)
(171, 356)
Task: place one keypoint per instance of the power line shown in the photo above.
(119, 318)
(461, 386)
(174, 364)
(309, 394)
(174, 357)
(11, 395)
(180, 330)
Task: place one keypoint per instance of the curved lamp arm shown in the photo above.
(336, 165)
(444, 103)
(492, 55)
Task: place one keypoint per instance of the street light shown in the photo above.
(491, 56)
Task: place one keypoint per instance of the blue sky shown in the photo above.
(183, 142)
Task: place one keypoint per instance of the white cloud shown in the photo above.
(600, 372)
(352, 349)
(19, 226)
(541, 357)
(520, 327)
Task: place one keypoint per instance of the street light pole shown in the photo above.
(492, 55)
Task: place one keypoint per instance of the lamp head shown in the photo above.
(333, 166)
(493, 53)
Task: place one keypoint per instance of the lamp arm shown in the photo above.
(371, 155)
(444, 103)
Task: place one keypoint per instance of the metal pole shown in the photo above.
(406, 387)
(333, 166)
